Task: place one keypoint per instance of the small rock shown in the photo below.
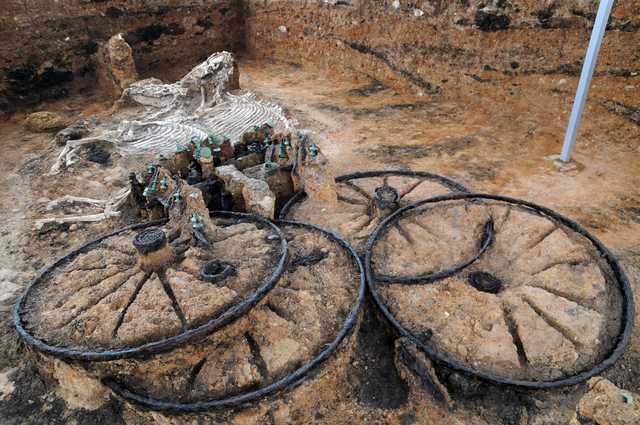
(77, 389)
(76, 131)
(43, 122)
(562, 83)
(73, 227)
(607, 404)
(116, 67)
(418, 13)
(396, 4)
(258, 198)
(416, 369)
(489, 21)
(6, 385)
(282, 28)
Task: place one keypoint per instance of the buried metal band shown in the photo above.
(445, 181)
(485, 243)
(163, 345)
(289, 381)
(628, 309)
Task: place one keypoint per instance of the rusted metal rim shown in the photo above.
(628, 308)
(163, 345)
(305, 372)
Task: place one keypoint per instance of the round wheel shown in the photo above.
(137, 292)
(365, 198)
(545, 304)
(277, 345)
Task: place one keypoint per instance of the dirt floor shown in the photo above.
(493, 135)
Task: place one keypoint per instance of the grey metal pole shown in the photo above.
(588, 67)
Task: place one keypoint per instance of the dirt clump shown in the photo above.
(606, 404)
(45, 121)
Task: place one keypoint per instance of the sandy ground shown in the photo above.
(493, 136)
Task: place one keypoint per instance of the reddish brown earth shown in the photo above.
(493, 124)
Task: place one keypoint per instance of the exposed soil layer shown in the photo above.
(430, 47)
(49, 48)
(501, 111)
(539, 304)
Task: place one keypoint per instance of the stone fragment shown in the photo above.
(7, 386)
(301, 307)
(417, 369)
(216, 75)
(204, 85)
(258, 198)
(77, 389)
(44, 121)
(546, 251)
(465, 322)
(520, 231)
(315, 175)
(198, 299)
(151, 315)
(234, 180)
(249, 194)
(580, 282)
(606, 404)
(279, 181)
(116, 67)
(278, 350)
(75, 131)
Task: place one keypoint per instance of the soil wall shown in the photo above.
(429, 45)
(47, 47)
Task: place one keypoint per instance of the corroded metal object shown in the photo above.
(215, 271)
(140, 290)
(544, 305)
(302, 325)
(385, 200)
(364, 199)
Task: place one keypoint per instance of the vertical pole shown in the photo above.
(588, 67)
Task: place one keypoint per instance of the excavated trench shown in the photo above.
(257, 288)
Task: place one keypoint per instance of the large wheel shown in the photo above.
(302, 324)
(540, 303)
(103, 302)
(365, 198)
